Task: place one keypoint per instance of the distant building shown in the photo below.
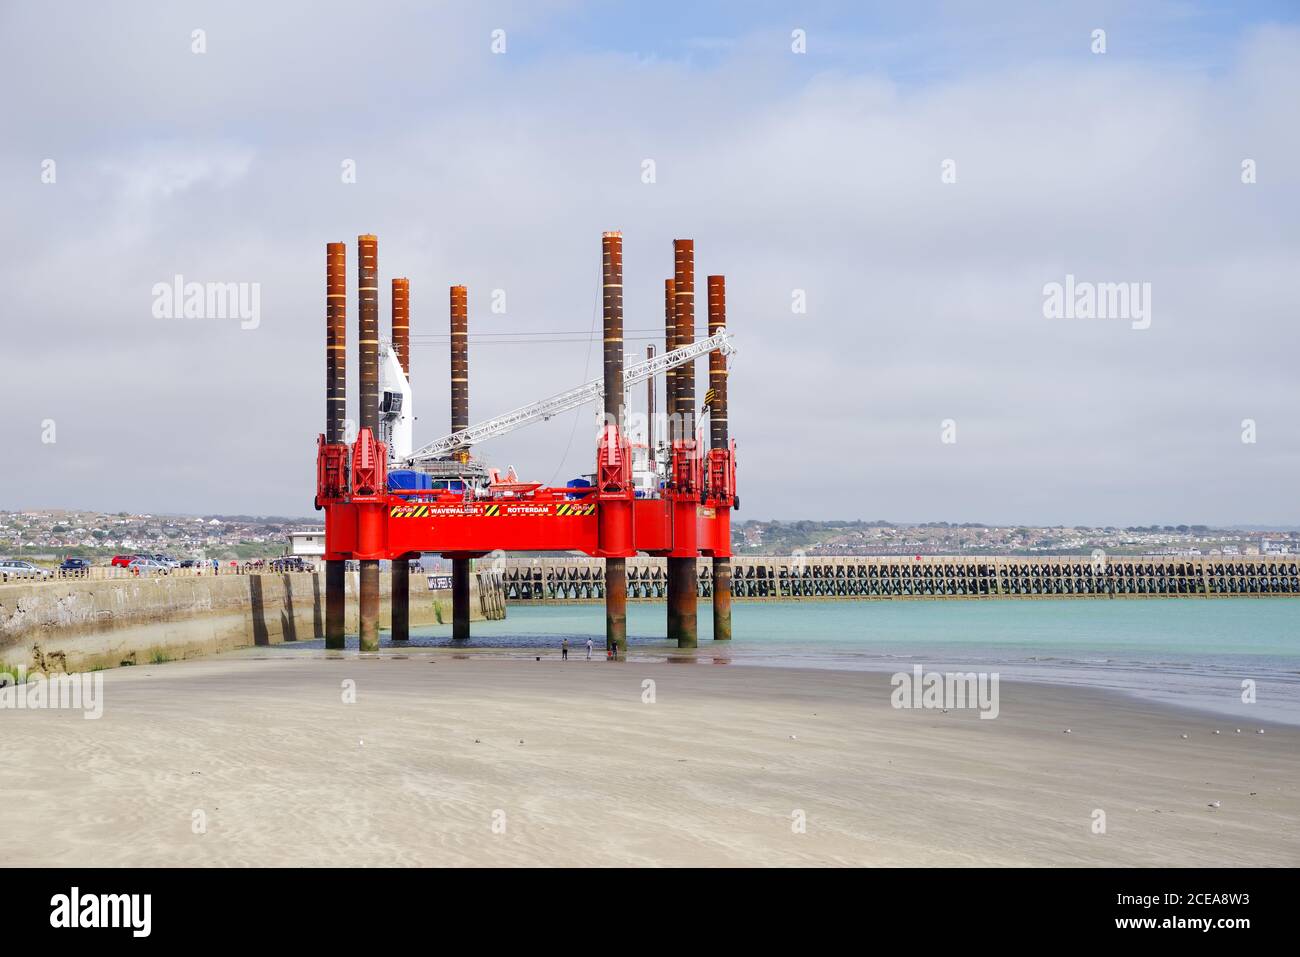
(307, 542)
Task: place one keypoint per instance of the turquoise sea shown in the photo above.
(1190, 652)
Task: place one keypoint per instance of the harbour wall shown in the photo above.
(81, 624)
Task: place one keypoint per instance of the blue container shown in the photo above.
(577, 483)
(409, 480)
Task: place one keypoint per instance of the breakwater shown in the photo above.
(78, 624)
(930, 577)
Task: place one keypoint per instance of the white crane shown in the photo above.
(396, 413)
(564, 401)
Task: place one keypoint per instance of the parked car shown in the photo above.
(121, 561)
(12, 568)
(193, 563)
(148, 566)
(165, 560)
(75, 565)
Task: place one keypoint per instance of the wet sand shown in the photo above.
(492, 760)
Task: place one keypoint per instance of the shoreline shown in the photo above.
(648, 651)
(714, 770)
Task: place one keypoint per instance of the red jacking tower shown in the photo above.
(384, 501)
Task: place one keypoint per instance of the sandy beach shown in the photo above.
(495, 760)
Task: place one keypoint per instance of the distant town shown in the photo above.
(944, 538)
(49, 534)
(56, 534)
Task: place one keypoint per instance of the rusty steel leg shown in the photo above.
(368, 418)
(611, 247)
(460, 599)
(369, 606)
(672, 601)
(718, 436)
(335, 604)
(722, 599)
(684, 317)
(401, 599)
(682, 574)
(401, 589)
(673, 431)
(459, 302)
(683, 602)
(336, 398)
(616, 604)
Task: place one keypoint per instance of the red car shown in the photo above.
(121, 561)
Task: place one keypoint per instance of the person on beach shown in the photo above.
(564, 650)
(588, 649)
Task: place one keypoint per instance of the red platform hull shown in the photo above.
(605, 521)
(393, 525)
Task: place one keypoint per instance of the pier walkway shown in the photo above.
(576, 579)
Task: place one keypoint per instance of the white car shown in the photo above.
(12, 568)
(148, 566)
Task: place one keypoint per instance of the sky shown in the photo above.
(917, 175)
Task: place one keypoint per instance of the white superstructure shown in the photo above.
(396, 417)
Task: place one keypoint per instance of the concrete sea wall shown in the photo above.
(77, 625)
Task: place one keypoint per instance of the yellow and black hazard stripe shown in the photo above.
(408, 511)
(492, 510)
(578, 509)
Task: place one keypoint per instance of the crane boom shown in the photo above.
(564, 401)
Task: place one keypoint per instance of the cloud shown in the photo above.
(925, 297)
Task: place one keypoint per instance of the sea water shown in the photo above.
(1201, 653)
